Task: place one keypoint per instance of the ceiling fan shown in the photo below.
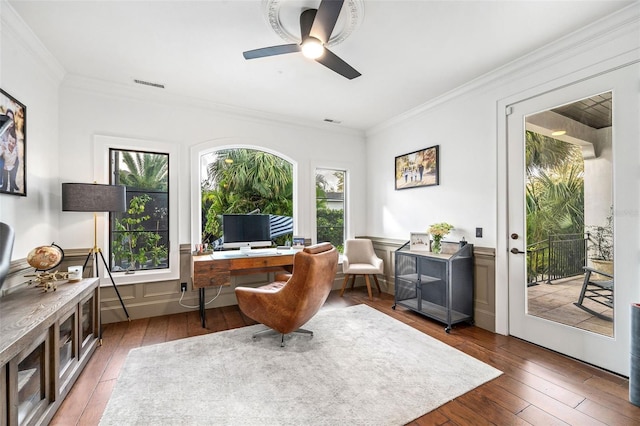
(316, 26)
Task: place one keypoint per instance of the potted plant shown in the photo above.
(600, 245)
(438, 231)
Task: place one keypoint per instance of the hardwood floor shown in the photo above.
(538, 387)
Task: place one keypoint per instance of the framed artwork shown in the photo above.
(419, 241)
(419, 168)
(13, 145)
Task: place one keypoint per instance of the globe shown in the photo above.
(44, 258)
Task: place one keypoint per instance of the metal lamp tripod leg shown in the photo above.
(106, 268)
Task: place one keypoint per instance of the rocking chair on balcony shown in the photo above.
(599, 290)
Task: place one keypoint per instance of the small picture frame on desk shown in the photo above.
(419, 241)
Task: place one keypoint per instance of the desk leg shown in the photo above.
(201, 303)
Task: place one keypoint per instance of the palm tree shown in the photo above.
(555, 202)
(242, 180)
(554, 196)
(543, 152)
(143, 170)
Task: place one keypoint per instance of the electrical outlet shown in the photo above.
(479, 232)
(183, 287)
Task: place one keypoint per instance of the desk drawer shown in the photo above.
(210, 274)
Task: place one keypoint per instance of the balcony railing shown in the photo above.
(560, 256)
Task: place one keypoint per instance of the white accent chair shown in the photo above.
(360, 259)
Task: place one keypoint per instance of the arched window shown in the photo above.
(243, 180)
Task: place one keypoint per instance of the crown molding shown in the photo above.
(139, 93)
(617, 25)
(18, 31)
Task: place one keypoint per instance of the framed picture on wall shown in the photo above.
(13, 145)
(418, 168)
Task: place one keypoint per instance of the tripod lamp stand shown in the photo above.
(93, 197)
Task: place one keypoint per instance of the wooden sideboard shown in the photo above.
(46, 339)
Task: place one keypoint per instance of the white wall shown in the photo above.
(469, 125)
(32, 76)
(466, 197)
(89, 108)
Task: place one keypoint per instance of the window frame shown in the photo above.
(205, 148)
(102, 146)
(345, 204)
(153, 195)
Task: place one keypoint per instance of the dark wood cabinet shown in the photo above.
(46, 339)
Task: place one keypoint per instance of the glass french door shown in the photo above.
(569, 181)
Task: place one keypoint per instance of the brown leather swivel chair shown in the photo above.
(284, 306)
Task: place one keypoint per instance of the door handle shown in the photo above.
(516, 251)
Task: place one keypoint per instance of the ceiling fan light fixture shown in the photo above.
(312, 48)
(558, 132)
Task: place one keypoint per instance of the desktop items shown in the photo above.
(45, 258)
(75, 273)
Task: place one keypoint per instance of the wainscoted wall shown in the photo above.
(161, 298)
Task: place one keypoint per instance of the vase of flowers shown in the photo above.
(438, 231)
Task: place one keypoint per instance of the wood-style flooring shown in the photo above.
(538, 387)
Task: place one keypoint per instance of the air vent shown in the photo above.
(330, 120)
(147, 83)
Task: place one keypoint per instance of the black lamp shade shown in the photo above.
(93, 197)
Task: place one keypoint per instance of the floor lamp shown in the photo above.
(93, 197)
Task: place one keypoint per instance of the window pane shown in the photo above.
(139, 237)
(242, 181)
(330, 189)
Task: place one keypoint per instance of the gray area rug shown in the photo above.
(361, 367)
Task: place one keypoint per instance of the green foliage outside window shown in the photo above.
(330, 219)
(242, 180)
(554, 199)
(330, 224)
(139, 236)
(133, 243)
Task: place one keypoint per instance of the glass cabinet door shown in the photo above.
(87, 320)
(31, 383)
(67, 348)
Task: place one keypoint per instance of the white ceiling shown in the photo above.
(407, 51)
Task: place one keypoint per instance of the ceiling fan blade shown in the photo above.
(326, 19)
(271, 51)
(333, 62)
(306, 22)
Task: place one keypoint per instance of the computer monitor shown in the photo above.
(246, 230)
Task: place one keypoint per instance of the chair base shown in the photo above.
(366, 279)
(270, 331)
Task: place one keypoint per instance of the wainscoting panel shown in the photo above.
(484, 275)
(145, 300)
